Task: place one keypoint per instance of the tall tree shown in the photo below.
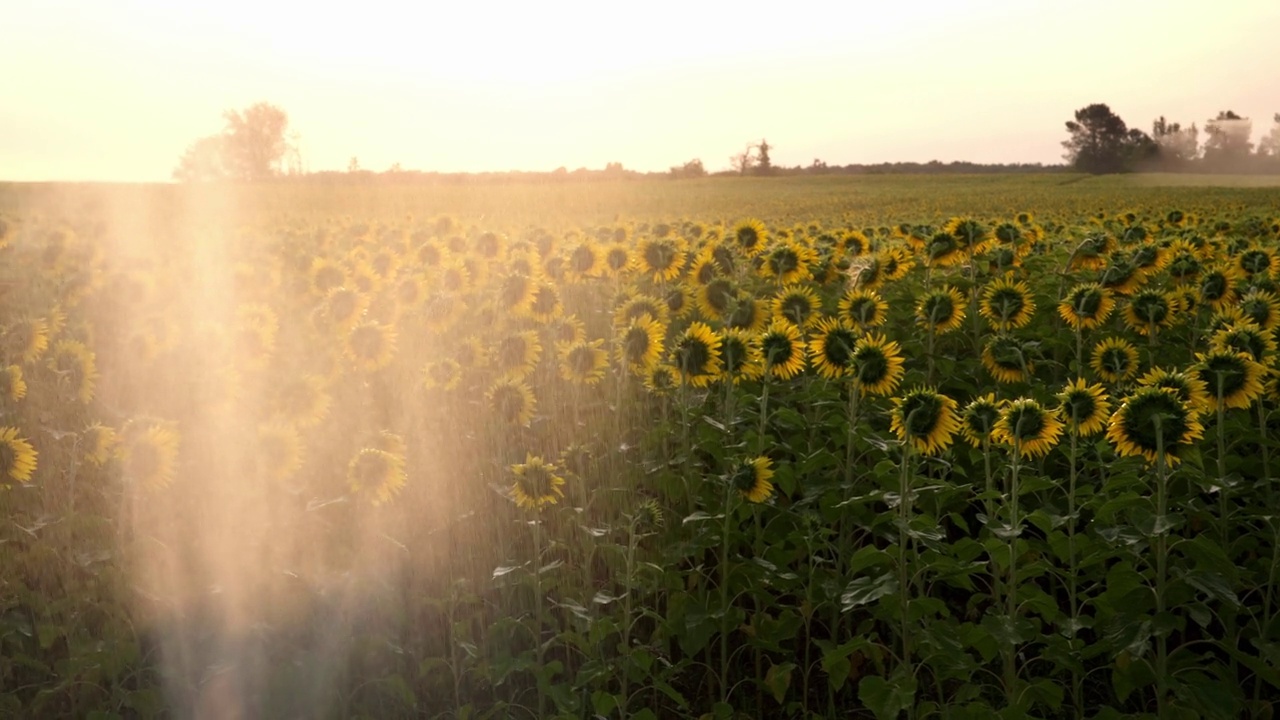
(204, 160)
(1100, 141)
(1228, 139)
(1178, 145)
(1269, 145)
(764, 166)
(251, 146)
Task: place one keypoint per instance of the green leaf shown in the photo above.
(884, 698)
(603, 703)
(865, 590)
(867, 557)
(778, 680)
(700, 516)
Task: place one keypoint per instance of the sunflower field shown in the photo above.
(886, 462)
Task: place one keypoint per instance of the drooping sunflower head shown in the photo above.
(797, 304)
(749, 237)
(536, 483)
(1007, 304)
(741, 356)
(12, 387)
(17, 458)
(1085, 408)
(863, 309)
(640, 344)
(371, 345)
(925, 420)
(1233, 377)
(978, 419)
(1187, 386)
(376, 475)
(1027, 426)
(1007, 359)
(1153, 421)
(1115, 360)
(1086, 306)
(696, 354)
(583, 363)
(782, 350)
(831, 347)
(877, 365)
(941, 310)
(751, 477)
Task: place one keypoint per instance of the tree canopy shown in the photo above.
(1101, 142)
(250, 147)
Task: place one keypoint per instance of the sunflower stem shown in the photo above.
(1077, 687)
(724, 593)
(853, 425)
(538, 613)
(904, 576)
(1162, 651)
(764, 407)
(1011, 652)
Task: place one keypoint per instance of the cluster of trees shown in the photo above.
(1101, 142)
(253, 145)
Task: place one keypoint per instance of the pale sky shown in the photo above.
(116, 90)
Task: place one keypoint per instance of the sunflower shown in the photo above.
(546, 305)
(279, 451)
(25, 340)
(454, 277)
(1151, 420)
(489, 245)
(788, 262)
(371, 345)
(852, 244)
(325, 275)
(1244, 336)
(1149, 258)
(12, 387)
(1085, 407)
(925, 419)
(537, 483)
(1185, 264)
(704, 269)
(517, 354)
(409, 291)
(972, 235)
(943, 250)
(1256, 261)
(941, 310)
(783, 350)
(831, 347)
(749, 237)
(443, 374)
(512, 400)
(1233, 376)
(696, 354)
(1092, 252)
(717, 298)
(1262, 307)
(616, 260)
(863, 309)
(679, 302)
(877, 365)
(149, 453)
(661, 379)
(17, 458)
(751, 478)
(740, 351)
(1115, 360)
(660, 259)
(1217, 287)
(515, 294)
(895, 263)
(1086, 306)
(636, 307)
(1188, 386)
(640, 344)
(1027, 426)
(376, 474)
(583, 363)
(76, 369)
(796, 304)
(978, 419)
(302, 400)
(1149, 311)
(441, 309)
(1006, 359)
(1007, 304)
(1121, 278)
(568, 329)
(99, 443)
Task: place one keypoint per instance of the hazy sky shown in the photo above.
(116, 90)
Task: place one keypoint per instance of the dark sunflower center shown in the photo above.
(1150, 308)
(370, 469)
(1079, 406)
(544, 301)
(1003, 258)
(512, 351)
(706, 273)
(635, 344)
(921, 413)
(981, 419)
(1006, 353)
(1214, 286)
(1255, 261)
(328, 277)
(1145, 256)
(1257, 309)
(693, 356)
(144, 460)
(1116, 275)
(837, 347)
(718, 294)
(1115, 361)
(639, 309)
(582, 360)
(1153, 419)
(1247, 341)
(784, 260)
(452, 280)
(616, 259)
(778, 349)
(1007, 303)
(748, 238)
(1026, 422)
(1087, 303)
(863, 310)
(1184, 265)
(514, 289)
(1224, 374)
(1008, 233)
(675, 301)
(487, 245)
(939, 308)
(659, 256)
(796, 308)
(743, 478)
(734, 354)
(582, 259)
(872, 364)
(743, 315)
(941, 245)
(8, 461)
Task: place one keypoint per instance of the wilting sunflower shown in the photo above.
(1149, 311)
(717, 298)
(26, 339)
(640, 344)
(149, 454)
(17, 458)
(696, 354)
(749, 237)
(1153, 419)
(537, 483)
(443, 374)
(1232, 375)
(1084, 407)
(376, 474)
(12, 387)
(371, 345)
(1007, 304)
(782, 350)
(512, 400)
(741, 356)
(751, 478)
(797, 304)
(659, 259)
(546, 305)
(831, 347)
(583, 363)
(517, 354)
(877, 365)
(1244, 336)
(1029, 427)
(75, 367)
(279, 451)
(978, 419)
(863, 309)
(1262, 307)
(1086, 306)
(941, 310)
(788, 262)
(925, 419)
(1217, 287)
(99, 442)
(515, 294)
(662, 379)
(1005, 357)
(1115, 360)
(1188, 386)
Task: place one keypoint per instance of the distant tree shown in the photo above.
(764, 166)
(250, 147)
(204, 160)
(1178, 145)
(1228, 139)
(353, 165)
(1100, 141)
(691, 169)
(1269, 145)
(743, 162)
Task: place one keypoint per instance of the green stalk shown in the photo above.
(538, 612)
(1077, 686)
(1162, 650)
(724, 594)
(1011, 653)
(853, 423)
(904, 577)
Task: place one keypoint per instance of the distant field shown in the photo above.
(1197, 180)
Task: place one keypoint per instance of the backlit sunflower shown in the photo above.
(1233, 376)
(1085, 408)
(12, 387)
(782, 350)
(717, 298)
(1086, 306)
(637, 306)
(1188, 386)
(678, 301)
(1115, 360)
(941, 310)
(99, 443)
(1005, 357)
(852, 244)
(76, 369)
(376, 474)
(797, 304)
(512, 400)
(895, 263)
(696, 354)
(453, 277)
(1262, 307)
(301, 399)
(749, 237)
(751, 478)
(1217, 287)
(978, 419)
(583, 363)
(25, 340)
(973, 236)
(877, 365)
(1007, 304)
(1092, 252)
(546, 305)
(863, 309)
(410, 291)
(515, 294)
(1029, 427)
(149, 454)
(441, 310)
(568, 329)
(517, 354)
(1246, 337)
(659, 259)
(1152, 420)
(537, 483)
(616, 260)
(925, 419)
(279, 451)
(17, 458)
(788, 262)
(662, 379)
(325, 275)
(640, 344)
(831, 347)
(371, 345)
(943, 250)
(442, 374)
(1149, 311)
(740, 355)
(750, 314)
(704, 269)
